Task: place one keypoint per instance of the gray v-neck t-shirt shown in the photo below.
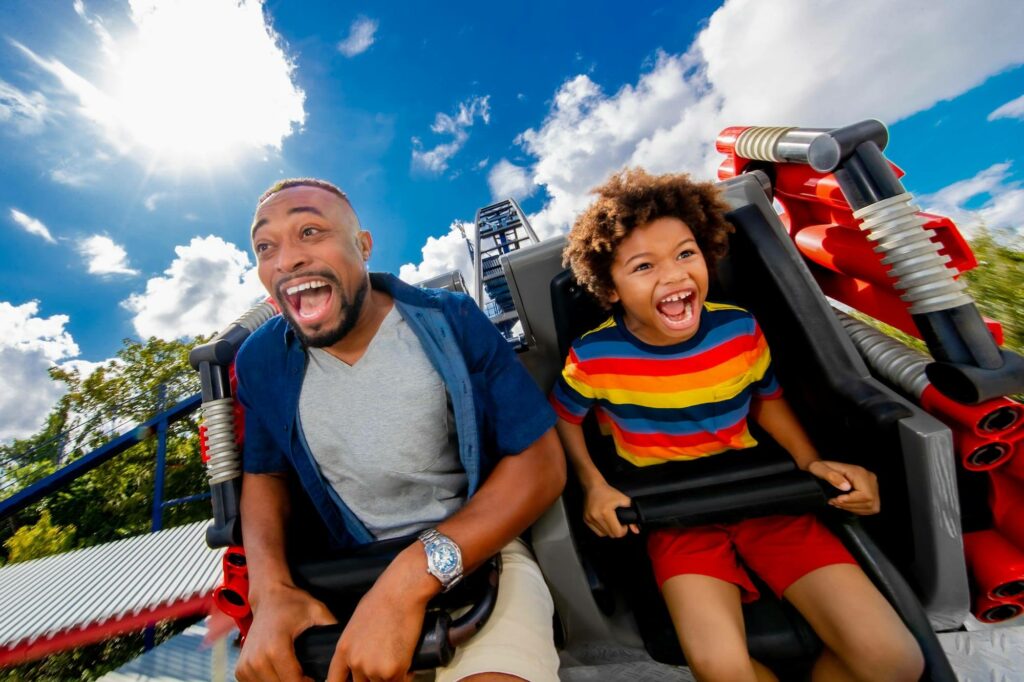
(383, 433)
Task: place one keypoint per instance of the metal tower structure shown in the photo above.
(500, 228)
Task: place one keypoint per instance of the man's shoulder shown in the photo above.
(448, 302)
(263, 345)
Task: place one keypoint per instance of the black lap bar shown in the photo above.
(793, 492)
(341, 583)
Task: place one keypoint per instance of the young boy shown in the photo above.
(674, 377)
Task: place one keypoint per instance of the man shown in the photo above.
(397, 409)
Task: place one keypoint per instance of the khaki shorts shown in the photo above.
(518, 638)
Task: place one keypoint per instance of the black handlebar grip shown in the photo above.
(627, 515)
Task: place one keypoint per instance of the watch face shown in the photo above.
(445, 559)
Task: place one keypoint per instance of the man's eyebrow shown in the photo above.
(295, 209)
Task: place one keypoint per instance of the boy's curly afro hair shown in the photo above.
(635, 197)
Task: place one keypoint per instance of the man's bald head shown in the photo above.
(303, 182)
(289, 183)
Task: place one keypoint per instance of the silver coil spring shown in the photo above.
(255, 316)
(895, 362)
(922, 276)
(225, 461)
(758, 143)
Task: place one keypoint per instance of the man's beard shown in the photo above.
(350, 316)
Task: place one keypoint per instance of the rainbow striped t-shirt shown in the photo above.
(676, 402)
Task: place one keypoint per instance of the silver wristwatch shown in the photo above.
(444, 558)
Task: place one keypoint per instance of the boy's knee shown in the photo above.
(895, 660)
(716, 667)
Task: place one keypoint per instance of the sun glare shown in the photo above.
(199, 82)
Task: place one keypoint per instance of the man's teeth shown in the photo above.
(315, 284)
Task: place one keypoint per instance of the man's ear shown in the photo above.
(365, 244)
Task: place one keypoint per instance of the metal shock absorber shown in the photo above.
(224, 467)
(969, 366)
(978, 430)
(920, 273)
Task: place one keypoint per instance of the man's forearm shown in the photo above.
(517, 492)
(265, 509)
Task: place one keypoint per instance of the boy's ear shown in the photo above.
(613, 297)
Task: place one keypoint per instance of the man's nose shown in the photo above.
(291, 257)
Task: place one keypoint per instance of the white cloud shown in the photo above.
(436, 160)
(27, 112)
(32, 225)
(153, 199)
(820, 74)
(29, 346)
(1012, 109)
(73, 177)
(207, 286)
(509, 180)
(360, 37)
(1001, 210)
(104, 256)
(190, 83)
(443, 254)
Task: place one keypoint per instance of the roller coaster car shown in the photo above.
(603, 589)
(599, 588)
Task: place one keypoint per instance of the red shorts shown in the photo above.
(779, 549)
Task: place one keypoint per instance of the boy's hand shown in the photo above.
(862, 498)
(599, 504)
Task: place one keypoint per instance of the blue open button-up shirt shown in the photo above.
(498, 408)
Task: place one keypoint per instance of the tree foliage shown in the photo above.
(997, 284)
(114, 500)
(38, 540)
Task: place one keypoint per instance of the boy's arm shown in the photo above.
(777, 418)
(600, 499)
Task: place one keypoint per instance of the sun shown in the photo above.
(194, 83)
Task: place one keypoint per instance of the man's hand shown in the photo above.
(862, 498)
(380, 639)
(281, 615)
(599, 504)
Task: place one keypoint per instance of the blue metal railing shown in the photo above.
(157, 425)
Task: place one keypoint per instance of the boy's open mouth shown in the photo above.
(676, 309)
(309, 301)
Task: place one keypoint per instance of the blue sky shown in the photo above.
(137, 135)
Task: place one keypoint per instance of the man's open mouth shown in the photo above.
(677, 309)
(309, 300)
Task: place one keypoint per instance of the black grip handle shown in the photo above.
(789, 493)
(438, 640)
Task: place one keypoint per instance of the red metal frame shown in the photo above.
(846, 267)
(97, 632)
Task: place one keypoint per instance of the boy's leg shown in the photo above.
(865, 638)
(709, 622)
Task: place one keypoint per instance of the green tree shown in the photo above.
(38, 540)
(114, 500)
(998, 283)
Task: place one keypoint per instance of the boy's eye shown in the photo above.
(642, 266)
(685, 253)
